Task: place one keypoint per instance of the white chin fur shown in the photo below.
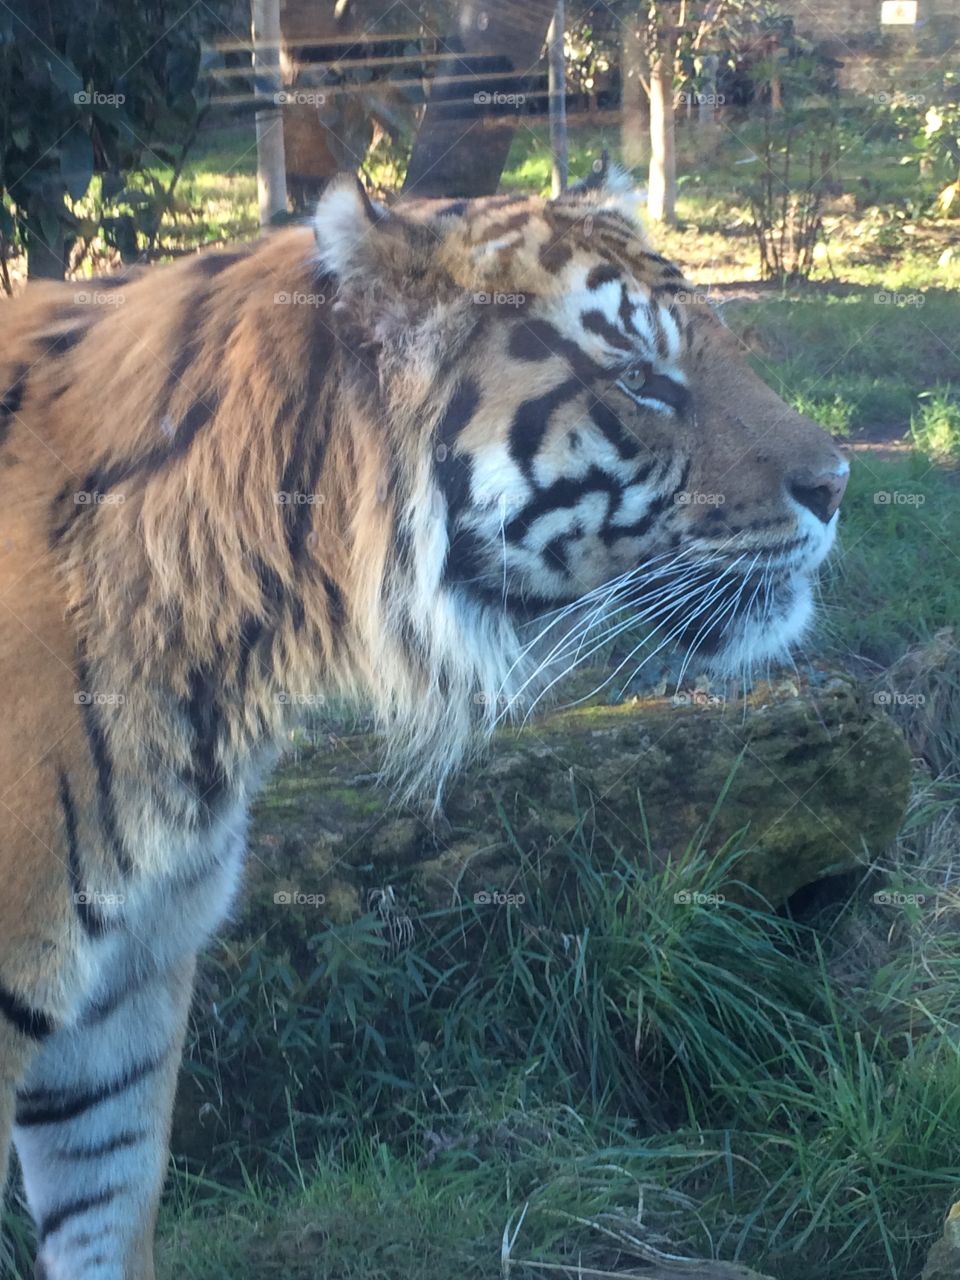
(751, 646)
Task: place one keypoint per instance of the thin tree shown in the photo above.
(271, 162)
(673, 28)
(560, 168)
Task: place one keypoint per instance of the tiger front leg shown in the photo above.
(92, 1130)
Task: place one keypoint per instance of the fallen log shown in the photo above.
(805, 780)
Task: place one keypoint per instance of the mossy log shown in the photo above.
(806, 780)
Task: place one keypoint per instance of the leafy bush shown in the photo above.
(102, 88)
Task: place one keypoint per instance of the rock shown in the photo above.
(813, 779)
(943, 1261)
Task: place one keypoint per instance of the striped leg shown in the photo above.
(92, 1130)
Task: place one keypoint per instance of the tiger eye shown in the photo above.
(634, 378)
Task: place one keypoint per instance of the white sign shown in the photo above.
(898, 13)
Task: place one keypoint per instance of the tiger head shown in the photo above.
(580, 446)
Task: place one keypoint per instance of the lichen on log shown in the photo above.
(804, 781)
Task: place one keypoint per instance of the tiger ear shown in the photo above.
(344, 221)
(608, 187)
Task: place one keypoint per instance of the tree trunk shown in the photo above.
(271, 164)
(558, 103)
(477, 97)
(707, 104)
(662, 192)
(649, 775)
(634, 116)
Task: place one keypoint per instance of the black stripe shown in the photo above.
(335, 603)
(455, 210)
(52, 1222)
(211, 264)
(251, 632)
(121, 1141)
(53, 1106)
(532, 418)
(93, 923)
(467, 560)
(102, 1010)
(658, 386)
(454, 469)
(109, 474)
(534, 341)
(625, 312)
(12, 398)
(602, 275)
(99, 752)
(29, 1022)
(555, 255)
(563, 493)
(64, 342)
(205, 716)
(623, 440)
(497, 230)
(596, 322)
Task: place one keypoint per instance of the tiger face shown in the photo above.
(592, 440)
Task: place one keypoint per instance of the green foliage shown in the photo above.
(798, 151)
(935, 428)
(941, 147)
(100, 89)
(596, 996)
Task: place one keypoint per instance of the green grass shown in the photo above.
(855, 362)
(894, 581)
(766, 1099)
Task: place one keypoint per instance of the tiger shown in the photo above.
(426, 457)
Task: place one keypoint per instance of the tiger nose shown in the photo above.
(820, 491)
